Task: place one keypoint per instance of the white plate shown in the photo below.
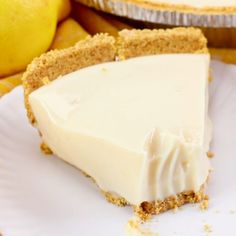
(43, 196)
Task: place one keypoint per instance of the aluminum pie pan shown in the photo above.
(224, 17)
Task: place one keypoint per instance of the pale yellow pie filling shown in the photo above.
(138, 127)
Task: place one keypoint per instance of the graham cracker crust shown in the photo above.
(146, 209)
(119, 201)
(103, 48)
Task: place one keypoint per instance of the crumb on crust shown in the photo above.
(210, 154)
(45, 80)
(45, 149)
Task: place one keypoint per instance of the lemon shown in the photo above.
(26, 30)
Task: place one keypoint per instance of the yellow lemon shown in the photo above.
(26, 30)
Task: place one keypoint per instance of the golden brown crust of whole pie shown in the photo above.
(185, 8)
(170, 7)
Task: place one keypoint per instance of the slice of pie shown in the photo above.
(129, 112)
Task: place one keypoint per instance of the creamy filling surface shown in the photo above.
(199, 3)
(139, 127)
